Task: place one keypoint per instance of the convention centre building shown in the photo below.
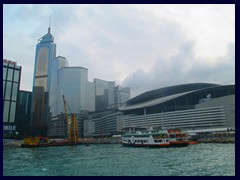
(195, 107)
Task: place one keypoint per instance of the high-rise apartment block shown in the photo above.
(11, 83)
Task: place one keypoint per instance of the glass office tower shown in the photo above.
(54, 94)
(23, 113)
(45, 53)
(11, 83)
(104, 94)
(72, 84)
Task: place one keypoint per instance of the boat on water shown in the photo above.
(155, 138)
(31, 142)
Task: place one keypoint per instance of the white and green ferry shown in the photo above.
(155, 138)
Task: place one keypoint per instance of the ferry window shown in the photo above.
(172, 136)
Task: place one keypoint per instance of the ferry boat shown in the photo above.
(155, 138)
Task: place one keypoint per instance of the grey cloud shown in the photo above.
(183, 68)
(124, 37)
(113, 41)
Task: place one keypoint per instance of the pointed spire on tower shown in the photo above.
(49, 28)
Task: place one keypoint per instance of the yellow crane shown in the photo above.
(72, 129)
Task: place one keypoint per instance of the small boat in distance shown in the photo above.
(155, 138)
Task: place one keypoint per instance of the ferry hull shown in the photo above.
(173, 144)
(146, 145)
(179, 144)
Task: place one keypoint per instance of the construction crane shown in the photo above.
(72, 129)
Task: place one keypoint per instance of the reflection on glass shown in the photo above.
(8, 90)
(11, 65)
(14, 91)
(5, 112)
(12, 112)
(10, 74)
(4, 73)
(16, 76)
(3, 88)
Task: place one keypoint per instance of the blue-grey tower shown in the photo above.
(45, 53)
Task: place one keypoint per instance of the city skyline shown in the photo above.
(143, 47)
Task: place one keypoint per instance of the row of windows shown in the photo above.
(11, 65)
(194, 117)
(141, 141)
(161, 140)
(11, 90)
(11, 74)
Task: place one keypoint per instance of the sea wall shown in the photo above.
(217, 140)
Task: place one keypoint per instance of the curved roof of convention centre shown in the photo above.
(167, 91)
(153, 102)
(162, 95)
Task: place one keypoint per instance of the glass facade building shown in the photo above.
(72, 82)
(104, 94)
(23, 113)
(45, 53)
(11, 83)
(122, 95)
(54, 93)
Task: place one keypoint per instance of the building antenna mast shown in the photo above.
(49, 28)
(50, 21)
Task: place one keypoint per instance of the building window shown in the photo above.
(14, 91)
(16, 76)
(12, 112)
(5, 112)
(10, 74)
(8, 91)
(17, 67)
(3, 88)
(11, 65)
(4, 73)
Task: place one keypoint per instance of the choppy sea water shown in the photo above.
(116, 160)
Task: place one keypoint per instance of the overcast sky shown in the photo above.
(143, 47)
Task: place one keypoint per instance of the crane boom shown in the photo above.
(69, 129)
(72, 128)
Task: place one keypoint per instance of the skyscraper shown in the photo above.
(45, 53)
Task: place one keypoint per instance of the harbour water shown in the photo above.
(211, 159)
